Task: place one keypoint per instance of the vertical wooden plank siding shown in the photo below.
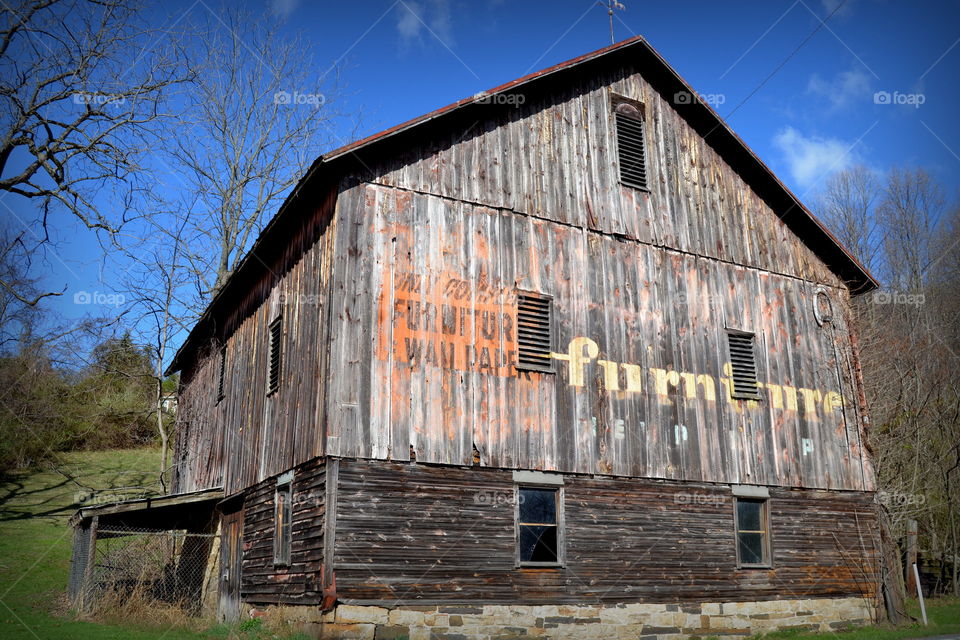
(539, 161)
(247, 436)
(400, 338)
(652, 400)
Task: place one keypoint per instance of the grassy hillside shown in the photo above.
(35, 541)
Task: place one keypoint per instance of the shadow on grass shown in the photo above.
(73, 481)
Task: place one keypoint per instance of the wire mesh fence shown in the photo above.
(147, 567)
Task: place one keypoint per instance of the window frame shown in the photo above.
(283, 526)
(561, 537)
(550, 367)
(615, 102)
(766, 537)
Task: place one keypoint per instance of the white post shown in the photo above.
(916, 579)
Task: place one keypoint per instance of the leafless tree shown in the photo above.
(259, 113)
(157, 286)
(19, 295)
(253, 116)
(910, 212)
(80, 83)
(847, 206)
(910, 346)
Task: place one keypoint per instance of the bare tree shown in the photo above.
(910, 213)
(158, 283)
(19, 295)
(910, 347)
(847, 206)
(260, 112)
(253, 117)
(80, 83)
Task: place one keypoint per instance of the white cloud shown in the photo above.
(842, 8)
(844, 89)
(283, 8)
(442, 24)
(416, 17)
(812, 158)
(410, 22)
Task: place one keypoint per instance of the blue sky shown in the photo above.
(817, 114)
(830, 105)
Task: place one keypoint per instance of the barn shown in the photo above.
(562, 359)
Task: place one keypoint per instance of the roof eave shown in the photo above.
(156, 502)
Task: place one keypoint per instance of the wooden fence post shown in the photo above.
(911, 554)
(87, 584)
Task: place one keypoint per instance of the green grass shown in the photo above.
(35, 542)
(942, 613)
(35, 556)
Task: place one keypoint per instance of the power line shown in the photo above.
(822, 24)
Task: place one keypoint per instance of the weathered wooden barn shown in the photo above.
(563, 359)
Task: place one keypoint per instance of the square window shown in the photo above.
(753, 535)
(538, 528)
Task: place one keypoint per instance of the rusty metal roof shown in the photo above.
(637, 52)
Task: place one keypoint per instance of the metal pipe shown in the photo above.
(923, 607)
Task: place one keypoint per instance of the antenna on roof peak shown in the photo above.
(610, 6)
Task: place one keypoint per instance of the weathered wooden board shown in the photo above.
(644, 283)
(554, 158)
(235, 442)
(641, 385)
(417, 534)
(298, 583)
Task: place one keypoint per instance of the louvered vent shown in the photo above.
(534, 332)
(744, 364)
(630, 147)
(223, 373)
(276, 361)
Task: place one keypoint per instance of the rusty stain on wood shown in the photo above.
(411, 337)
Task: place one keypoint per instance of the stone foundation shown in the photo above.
(515, 622)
